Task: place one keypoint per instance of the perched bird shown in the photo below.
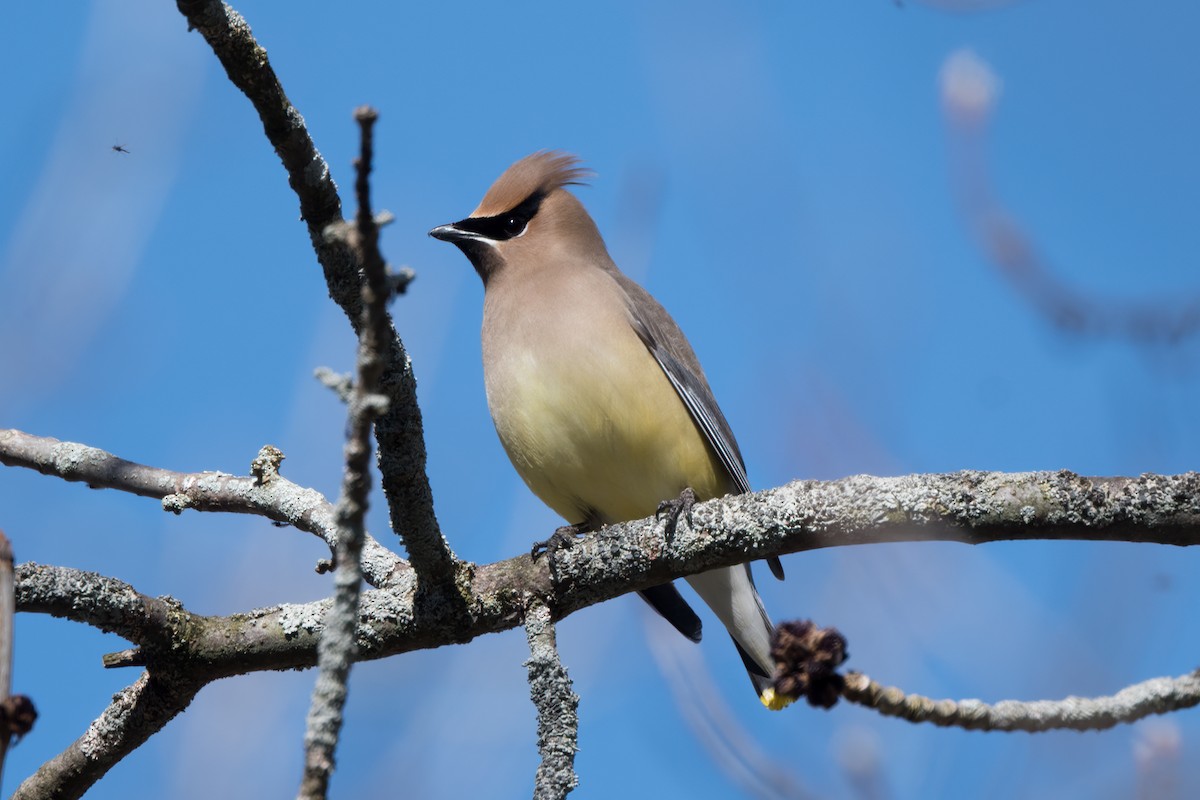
(595, 392)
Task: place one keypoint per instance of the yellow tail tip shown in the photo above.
(775, 702)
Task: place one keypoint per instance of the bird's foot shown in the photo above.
(674, 509)
(563, 537)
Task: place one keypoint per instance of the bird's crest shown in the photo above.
(544, 171)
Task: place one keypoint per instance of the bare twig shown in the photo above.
(275, 498)
(337, 647)
(341, 384)
(398, 432)
(6, 623)
(136, 713)
(7, 604)
(557, 705)
(399, 280)
(1155, 696)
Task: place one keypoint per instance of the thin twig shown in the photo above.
(557, 708)
(6, 639)
(399, 432)
(6, 619)
(337, 647)
(275, 497)
(341, 384)
(1155, 696)
(399, 280)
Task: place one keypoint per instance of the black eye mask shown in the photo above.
(502, 227)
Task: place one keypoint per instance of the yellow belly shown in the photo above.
(602, 434)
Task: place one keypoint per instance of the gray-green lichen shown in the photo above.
(297, 619)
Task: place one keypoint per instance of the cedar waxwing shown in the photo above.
(596, 394)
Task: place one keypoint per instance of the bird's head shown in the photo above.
(527, 219)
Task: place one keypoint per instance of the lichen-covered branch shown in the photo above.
(336, 650)
(107, 604)
(267, 494)
(971, 507)
(1155, 696)
(135, 714)
(399, 432)
(557, 705)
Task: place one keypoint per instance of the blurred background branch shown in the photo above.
(970, 95)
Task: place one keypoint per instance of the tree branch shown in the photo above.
(557, 704)
(107, 604)
(17, 712)
(136, 713)
(1155, 696)
(267, 495)
(970, 507)
(336, 650)
(6, 628)
(399, 432)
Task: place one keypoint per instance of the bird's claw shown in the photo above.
(674, 509)
(562, 537)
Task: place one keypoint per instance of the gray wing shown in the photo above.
(671, 350)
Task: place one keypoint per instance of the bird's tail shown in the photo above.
(730, 593)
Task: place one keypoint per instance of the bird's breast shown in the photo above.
(587, 416)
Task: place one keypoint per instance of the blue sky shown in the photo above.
(780, 177)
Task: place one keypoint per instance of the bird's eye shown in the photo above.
(502, 227)
(513, 226)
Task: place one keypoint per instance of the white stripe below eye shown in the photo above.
(477, 237)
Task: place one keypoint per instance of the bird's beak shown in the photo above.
(449, 233)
